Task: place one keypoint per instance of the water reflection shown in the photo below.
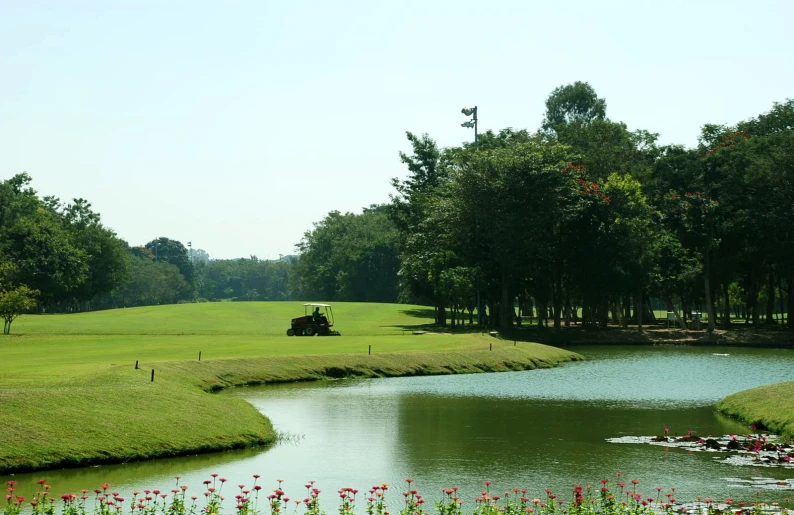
(536, 430)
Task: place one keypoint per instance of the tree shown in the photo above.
(351, 257)
(575, 103)
(63, 251)
(33, 237)
(14, 302)
(105, 253)
(420, 254)
(151, 283)
(172, 251)
(498, 210)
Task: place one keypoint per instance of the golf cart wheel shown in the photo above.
(290, 332)
(309, 331)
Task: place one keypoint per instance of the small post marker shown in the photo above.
(152, 375)
(136, 364)
(514, 343)
(491, 345)
(369, 351)
(199, 355)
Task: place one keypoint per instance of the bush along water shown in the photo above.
(605, 498)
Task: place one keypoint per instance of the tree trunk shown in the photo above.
(441, 315)
(770, 299)
(522, 300)
(638, 307)
(650, 316)
(626, 310)
(505, 318)
(780, 296)
(603, 312)
(707, 286)
(726, 318)
(540, 307)
(752, 301)
(491, 313)
(790, 293)
(557, 306)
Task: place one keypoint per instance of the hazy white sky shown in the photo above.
(236, 124)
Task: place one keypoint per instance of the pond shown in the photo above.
(535, 430)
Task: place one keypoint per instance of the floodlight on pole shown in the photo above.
(471, 124)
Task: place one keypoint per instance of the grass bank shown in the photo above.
(770, 407)
(70, 394)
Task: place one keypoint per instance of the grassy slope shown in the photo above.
(770, 406)
(70, 395)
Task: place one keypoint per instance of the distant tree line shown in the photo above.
(582, 221)
(58, 257)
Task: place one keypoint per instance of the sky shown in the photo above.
(237, 124)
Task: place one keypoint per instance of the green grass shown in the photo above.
(70, 394)
(770, 406)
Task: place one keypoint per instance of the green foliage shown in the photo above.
(246, 279)
(150, 283)
(63, 251)
(173, 252)
(589, 213)
(14, 302)
(350, 257)
(575, 103)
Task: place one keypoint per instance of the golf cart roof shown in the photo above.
(321, 305)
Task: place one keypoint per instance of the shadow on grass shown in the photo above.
(430, 313)
(653, 334)
(419, 313)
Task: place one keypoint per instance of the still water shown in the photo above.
(536, 430)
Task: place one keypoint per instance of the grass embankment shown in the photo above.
(70, 394)
(770, 407)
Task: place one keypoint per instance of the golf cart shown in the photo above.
(316, 319)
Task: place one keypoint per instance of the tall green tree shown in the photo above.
(576, 104)
(173, 252)
(500, 207)
(351, 257)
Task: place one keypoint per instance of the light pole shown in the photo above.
(190, 251)
(471, 111)
(469, 124)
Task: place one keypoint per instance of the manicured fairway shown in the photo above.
(70, 393)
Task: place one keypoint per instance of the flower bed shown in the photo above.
(605, 498)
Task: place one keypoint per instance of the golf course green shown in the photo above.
(71, 395)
